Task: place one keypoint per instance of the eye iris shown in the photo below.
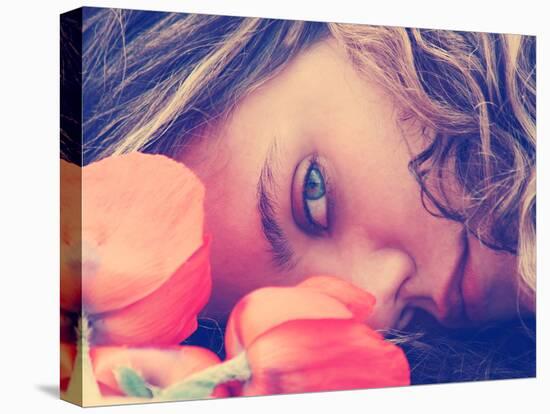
(315, 185)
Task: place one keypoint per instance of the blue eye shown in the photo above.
(314, 187)
(311, 196)
(315, 197)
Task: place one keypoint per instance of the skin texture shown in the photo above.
(379, 235)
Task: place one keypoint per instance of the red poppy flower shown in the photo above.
(311, 338)
(134, 257)
(267, 307)
(318, 297)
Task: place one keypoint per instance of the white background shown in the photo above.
(29, 218)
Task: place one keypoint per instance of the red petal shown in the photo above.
(359, 302)
(66, 360)
(142, 217)
(165, 317)
(265, 308)
(71, 235)
(323, 355)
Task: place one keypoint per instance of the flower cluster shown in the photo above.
(135, 274)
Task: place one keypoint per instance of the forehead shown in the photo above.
(320, 78)
(318, 93)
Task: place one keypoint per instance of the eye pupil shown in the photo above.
(315, 185)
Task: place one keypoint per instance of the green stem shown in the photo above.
(203, 383)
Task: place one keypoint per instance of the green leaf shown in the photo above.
(131, 383)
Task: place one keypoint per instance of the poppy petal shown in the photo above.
(323, 355)
(70, 235)
(165, 317)
(359, 302)
(267, 307)
(66, 360)
(142, 217)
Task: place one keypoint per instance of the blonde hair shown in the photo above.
(151, 80)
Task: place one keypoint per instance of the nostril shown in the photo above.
(397, 271)
(405, 318)
(400, 292)
(385, 273)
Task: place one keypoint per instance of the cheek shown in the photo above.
(234, 244)
(324, 256)
(240, 257)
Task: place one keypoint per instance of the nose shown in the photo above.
(383, 273)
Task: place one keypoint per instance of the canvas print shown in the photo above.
(254, 206)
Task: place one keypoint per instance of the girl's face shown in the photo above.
(310, 176)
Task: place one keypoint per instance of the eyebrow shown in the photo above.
(279, 246)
